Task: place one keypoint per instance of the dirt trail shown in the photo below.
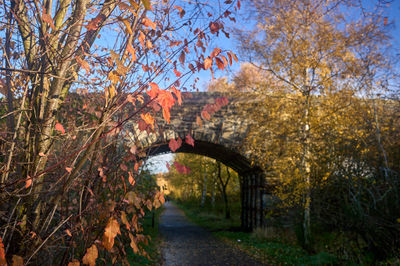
(188, 244)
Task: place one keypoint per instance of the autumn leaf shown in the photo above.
(68, 232)
(123, 167)
(166, 100)
(154, 91)
(110, 232)
(127, 25)
(189, 140)
(147, 4)
(132, 51)
(60, 128)
(28, 182)
(175, 144)
(131, 179)
(2, 253)
(181, 11)
(216, 52)
(148, 119)
(91, 256)
(68, 169)
(198, 121)
(219, 63)
(74, 262)
(125, 221)
(205, 115)
(182, 57)
(207, 63)
(141, 38)
(177, 94)
(233, 55)
(83, 64)
(47, 18)
(148, 23)
(133, 243)
(177, 73)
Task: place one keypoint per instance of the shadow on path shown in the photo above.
(188, 244)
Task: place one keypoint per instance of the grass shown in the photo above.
(272, 248)
(152, 249)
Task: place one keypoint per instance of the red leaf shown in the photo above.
(136, 167)
(175, 144)
(168, 166)
(189, 140)
(60, 128)
(177, 73)
(219, 62)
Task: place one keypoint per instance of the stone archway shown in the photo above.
(221, 138)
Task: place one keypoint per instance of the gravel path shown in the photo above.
(188, 244)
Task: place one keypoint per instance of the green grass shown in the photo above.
(268, 251)
(153, 247)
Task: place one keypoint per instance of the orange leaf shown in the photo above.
(60, 128)
(205, 115)
(131, 179)
(83, 64)
(132, 51)
(47, 18)
(17, 261)
(216, 52)
(141, 38)
(28, 182)
(2, 253)
(177, 94)
(148, 119)
(69, 169)
(91, 256)
(198, 121)
(68, 232)
(148, 23)
(208, 62)
(74, 262)
(154, 91)
(110, 232)
(133, 243)
(234, 56)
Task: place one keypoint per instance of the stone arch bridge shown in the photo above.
(221, 137)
